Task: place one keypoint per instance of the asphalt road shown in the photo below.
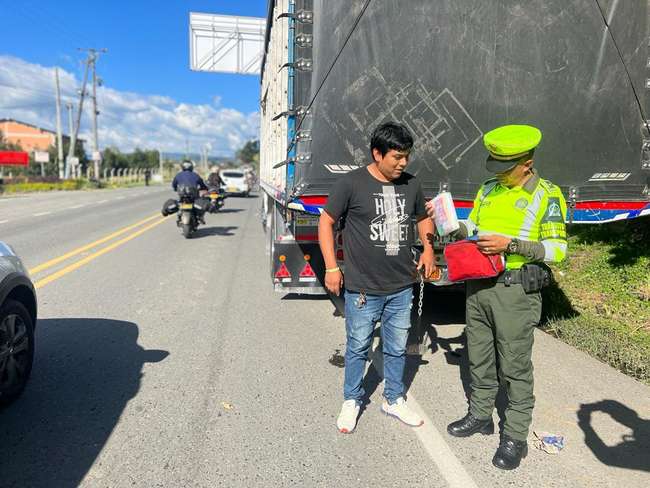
(170, 362)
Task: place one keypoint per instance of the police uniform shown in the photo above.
(500, 314)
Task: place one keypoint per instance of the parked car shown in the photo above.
(17, 320)
(236, 182)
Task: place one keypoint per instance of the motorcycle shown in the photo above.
(190, 210)
(217, 199)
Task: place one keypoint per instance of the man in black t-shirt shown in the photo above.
(377, 204)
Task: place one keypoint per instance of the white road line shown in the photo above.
(77, 206)
(432, 441)
(439, 451)
(102, 201)
(120, 198)
(3, 221)
(41, 214)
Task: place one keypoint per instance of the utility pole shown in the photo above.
(59, 131)
(73, 136)
(71, 131)
(160, 162)
(93, 54)
(92, 58)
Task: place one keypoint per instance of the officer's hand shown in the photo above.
(431, 211)
(334, 282)
(493, 244)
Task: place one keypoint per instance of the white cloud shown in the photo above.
(127, 119)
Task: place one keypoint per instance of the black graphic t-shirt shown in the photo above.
(378, 231)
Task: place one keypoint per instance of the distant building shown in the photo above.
(28, 136)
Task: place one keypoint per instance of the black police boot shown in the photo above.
(470, 425)
(510, 453)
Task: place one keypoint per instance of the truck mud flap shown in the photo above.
(298, 268)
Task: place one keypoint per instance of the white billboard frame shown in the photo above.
(226, 43)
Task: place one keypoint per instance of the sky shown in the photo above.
(149, 98)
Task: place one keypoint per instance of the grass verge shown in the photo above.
(601, 301)
(67, 185)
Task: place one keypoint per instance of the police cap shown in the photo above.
(508, 144)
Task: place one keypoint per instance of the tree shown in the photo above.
(8, 146)
(250, 153)
(79, 152)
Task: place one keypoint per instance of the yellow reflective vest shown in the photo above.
(535, 212)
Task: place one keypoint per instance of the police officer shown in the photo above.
(521, 216)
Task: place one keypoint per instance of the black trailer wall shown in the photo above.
(453, 69)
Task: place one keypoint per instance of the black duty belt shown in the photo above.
(532, 276)
(510, 277)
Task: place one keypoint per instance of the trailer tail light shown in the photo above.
(339, 255)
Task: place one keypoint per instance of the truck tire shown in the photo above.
(16, 350)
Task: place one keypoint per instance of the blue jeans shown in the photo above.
(394, 312)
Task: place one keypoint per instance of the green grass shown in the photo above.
(68, 185)
(29, 187)
(601, 301)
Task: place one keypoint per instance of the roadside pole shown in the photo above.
(68, 160)
(59, 135)
(73, 136)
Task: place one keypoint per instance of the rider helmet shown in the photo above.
(187, 165)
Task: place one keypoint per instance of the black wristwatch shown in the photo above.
(513, 247)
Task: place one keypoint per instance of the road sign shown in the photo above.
(41, 156)
(226, 43)
(97, 156)
(14, 158)
(73, 161)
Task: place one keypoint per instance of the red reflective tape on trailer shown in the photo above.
(314, 200)
(463, 204)
(594, 205)
(307, 237)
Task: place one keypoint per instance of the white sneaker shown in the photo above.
(401, 411)
(347, 420)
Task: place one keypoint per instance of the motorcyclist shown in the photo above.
(187, 177)
(214, 178)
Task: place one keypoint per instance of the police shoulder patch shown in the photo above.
(553, 211)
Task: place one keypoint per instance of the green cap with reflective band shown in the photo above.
(509, 143)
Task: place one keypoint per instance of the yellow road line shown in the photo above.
(55, 261)
(92, 257)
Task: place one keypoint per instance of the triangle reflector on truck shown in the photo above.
(307, 273)
(282, 274)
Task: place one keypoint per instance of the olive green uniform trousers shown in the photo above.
(500, 324)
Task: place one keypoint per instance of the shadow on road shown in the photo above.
(213, 231)
(443, 307)
(230, 210)
(633, 452)
(85, 372)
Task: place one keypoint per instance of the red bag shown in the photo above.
(466, 262)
